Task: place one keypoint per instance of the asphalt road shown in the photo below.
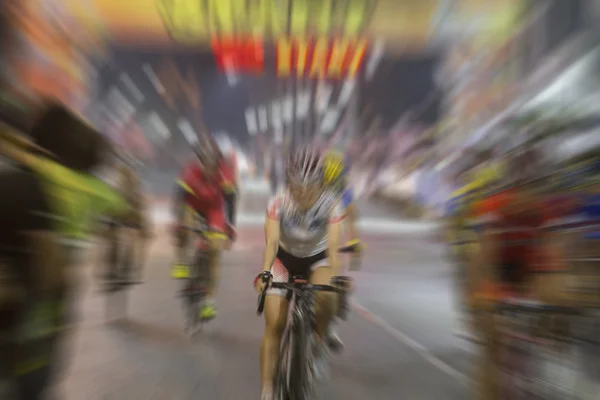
(399, 338)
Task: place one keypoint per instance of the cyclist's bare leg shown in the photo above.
(141, 248)
(142, 241)
(112, 252)
(181, 246)
(325, 300)
(276, 308)
(486, 369)
(352, 217)
(215, 246)
(129, 242)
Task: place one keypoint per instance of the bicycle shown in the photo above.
(535, 350)
(121, 260)
(295, 373)
(194, 290)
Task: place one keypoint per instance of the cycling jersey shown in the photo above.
(589, 213)
(208, 196)
(55, 201)
(516, 225)
(590, 206)
(303, 233)
(347, 197)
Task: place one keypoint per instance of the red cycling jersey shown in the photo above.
(206, 194)
(517, 224)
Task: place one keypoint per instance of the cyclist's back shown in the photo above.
(203, 190)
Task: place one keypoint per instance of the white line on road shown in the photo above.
(411, 343)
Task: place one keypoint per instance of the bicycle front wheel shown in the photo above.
(294, 378)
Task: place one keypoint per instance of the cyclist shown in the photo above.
(303, 233)
(478, 182)
(336, 171)
(206, 187)
(336, 176)
(54, 195)
(513, 253)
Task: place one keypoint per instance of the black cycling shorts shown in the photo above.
(287, 266)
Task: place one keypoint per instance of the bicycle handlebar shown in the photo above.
(267, 276)
(303, 286)
(296, 285)
(351, 248)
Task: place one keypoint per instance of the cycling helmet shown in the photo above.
(223, 142)
(333, 166)
(304, 167)
(207, 151)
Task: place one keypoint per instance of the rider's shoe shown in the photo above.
(179, 271)
(208, 311)
(333, 341)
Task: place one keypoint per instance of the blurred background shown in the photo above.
(422, 87)
(436, 78)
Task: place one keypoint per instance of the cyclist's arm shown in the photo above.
(230, 195)
(352, 213)
(183, 190)
(272, 231)
(179, 203)
(334, 238)
(229, 185)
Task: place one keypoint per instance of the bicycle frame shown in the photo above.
(294, 378)
(531, 353)
(194, 289)
(121, 258)
(295, 382)
(297, 379)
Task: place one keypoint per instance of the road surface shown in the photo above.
(399, 338)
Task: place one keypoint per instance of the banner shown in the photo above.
(489, 21)
(197, 22)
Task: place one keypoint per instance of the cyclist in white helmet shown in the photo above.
(303, 232)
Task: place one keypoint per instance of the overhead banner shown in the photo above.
(197, 22)
(303, 38)
(488, 20)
